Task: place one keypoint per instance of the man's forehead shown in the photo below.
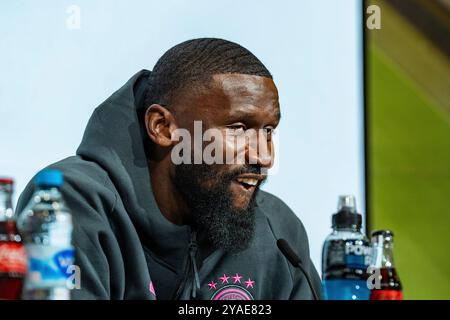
(244, 85)
(232, 94)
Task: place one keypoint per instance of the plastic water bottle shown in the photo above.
(46, 228)
(346, 255)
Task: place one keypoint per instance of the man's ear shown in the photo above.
(160, 125)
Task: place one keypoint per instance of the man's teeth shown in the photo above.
(249, 181)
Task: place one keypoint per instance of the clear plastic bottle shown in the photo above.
(346, 255)
(46, 228)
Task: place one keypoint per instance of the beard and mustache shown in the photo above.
(227, 227)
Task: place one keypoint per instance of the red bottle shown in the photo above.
(389, 287)
(13, 262)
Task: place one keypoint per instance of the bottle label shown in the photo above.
(48, 266)
(345, 269)
(349, 254)
(386, 295)
(357, 256)
(13, 258)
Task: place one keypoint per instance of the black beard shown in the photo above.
(226, 227)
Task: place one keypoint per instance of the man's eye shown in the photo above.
(269, 131)
(237, 129)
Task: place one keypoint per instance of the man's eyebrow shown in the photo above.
(245, 112)
(278, 115)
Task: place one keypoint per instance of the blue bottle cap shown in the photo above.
(49, 178)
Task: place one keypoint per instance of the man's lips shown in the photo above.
(249, 181)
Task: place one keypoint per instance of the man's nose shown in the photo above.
(260, 153)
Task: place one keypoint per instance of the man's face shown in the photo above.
(222, 196)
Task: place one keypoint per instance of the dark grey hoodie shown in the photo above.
(125, 247)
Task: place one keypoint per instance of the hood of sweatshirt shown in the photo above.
(114, 139)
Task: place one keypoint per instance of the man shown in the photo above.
(148, 226)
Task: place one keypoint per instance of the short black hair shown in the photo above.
(193, 62)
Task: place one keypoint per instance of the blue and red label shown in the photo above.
(48, 266)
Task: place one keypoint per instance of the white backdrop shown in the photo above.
(55, 69)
